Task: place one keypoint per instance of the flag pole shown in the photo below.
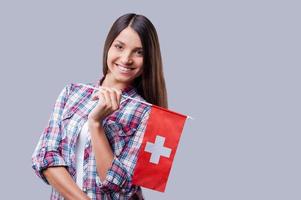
(128, 97)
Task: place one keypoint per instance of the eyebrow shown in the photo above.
(124, 44)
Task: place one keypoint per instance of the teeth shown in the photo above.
(124, 69)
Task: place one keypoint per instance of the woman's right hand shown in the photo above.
(109, 100)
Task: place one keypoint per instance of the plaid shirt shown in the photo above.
(124, 129)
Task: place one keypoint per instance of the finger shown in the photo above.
(101, 97)
(114, 100)
(107, 98)
(95, 96)
(118, 94)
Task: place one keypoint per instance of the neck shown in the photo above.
(108, 82)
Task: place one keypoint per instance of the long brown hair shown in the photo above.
(151, 84)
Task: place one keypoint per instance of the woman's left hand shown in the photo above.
(109, 100)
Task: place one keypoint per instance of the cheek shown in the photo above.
(140, 68)
(139, 62)
(111, 56)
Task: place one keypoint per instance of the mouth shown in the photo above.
(124, 69)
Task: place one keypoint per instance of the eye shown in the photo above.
(118, 46)
(139, 52)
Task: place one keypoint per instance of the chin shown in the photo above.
(123, 79)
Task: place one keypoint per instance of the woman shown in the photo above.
(89, 148)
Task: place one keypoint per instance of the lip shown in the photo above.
(128, 67)
(124, 69)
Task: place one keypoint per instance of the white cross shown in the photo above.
(157, 149)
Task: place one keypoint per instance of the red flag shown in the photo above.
(160, 141)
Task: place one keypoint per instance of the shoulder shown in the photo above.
(73, 93)
(80, 88)
(77, 90)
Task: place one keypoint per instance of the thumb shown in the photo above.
(95, 97)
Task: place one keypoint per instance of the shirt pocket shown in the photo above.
(69, 126)
(67, 123)
(118, 134)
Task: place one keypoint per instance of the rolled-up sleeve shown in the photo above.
(119, 175)
(47, 152)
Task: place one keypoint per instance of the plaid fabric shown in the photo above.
(124, 129)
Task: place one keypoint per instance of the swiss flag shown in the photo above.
(160, 141)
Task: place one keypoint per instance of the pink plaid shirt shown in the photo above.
(124, 129)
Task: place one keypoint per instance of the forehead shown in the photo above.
(129, 37)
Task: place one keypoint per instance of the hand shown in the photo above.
(109, 100)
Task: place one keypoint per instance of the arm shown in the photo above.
(101, 148)
(116, 175)
(47, 151)
(110, 99)
(47, 160)
(61, 180)
(113, 173)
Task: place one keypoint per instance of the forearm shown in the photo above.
(101, 148)
(61, 180)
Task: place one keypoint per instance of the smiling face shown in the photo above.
(124, 60)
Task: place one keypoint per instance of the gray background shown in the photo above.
(232, 65)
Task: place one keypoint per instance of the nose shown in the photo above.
(126, 58)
